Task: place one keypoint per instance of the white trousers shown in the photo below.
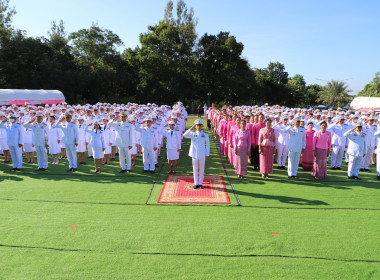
(367, 158)
(89, 150)
(198, 170)
(71, 151)
(282, 154)
(354, 164)
(149, 159)
(42, 157)
(337, 156)
(125, 158)
(293, 161)
(16, 155)
(378, 163)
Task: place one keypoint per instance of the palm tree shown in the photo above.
(335, 93)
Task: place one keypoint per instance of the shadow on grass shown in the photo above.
(282, 199)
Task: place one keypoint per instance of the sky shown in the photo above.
(322, 40)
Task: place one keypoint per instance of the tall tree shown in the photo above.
(222, 71)
(166, 56)
(6, 14)
(272, 85)
(94, 44)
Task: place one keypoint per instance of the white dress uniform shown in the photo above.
(355, 150)
(40, 139)
(124, 133)
(89, 120)
(199, 150)
(82, 138)
(28, 140)
(377, 135)
(173, 143)
(297, 142)
(54, 135)
(149, 141)
(3, 139)
(70, 139)
(338, 143)
(15, 136)
(97, 143)
(282, 144)
(370, 140)
(108, 138)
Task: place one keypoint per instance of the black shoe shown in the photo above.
(378, 177)
(152, 171)
(122, 171)
(74, 169)
(38, 169)
(295, 177)
(351, 177)
(13, 169)
(128, 170)
(361, 169)
(367, 170)
(18, 169)
(156, 165)
(90, 157)
(200, 187)
(290, 177)
(357, 178)
(69, 170)
(145, 171)
(195, 187)
(338, 168)
(333, 168)
(283, 167)
(279, 167)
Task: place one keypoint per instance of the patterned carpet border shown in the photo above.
(179, 189)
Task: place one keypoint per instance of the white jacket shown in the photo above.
(200, 144)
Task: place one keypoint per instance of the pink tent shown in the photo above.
(365, 103)
(22, 96)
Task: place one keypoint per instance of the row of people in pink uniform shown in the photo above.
(303, 137)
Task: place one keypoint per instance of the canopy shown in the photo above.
(365, 103)
(22, 96)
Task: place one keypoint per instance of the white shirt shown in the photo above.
(200, 144)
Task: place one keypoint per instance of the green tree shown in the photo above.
(166, 57)
(222, 71)
(373, 88)
(6, 14)
(94, 45)
(335, 93)
(272, 85)
(312, 94)
(297, 89)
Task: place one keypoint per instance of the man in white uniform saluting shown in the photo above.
(15, 140)
(40, 140)
(199, 151)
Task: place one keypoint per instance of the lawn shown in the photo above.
(59, 225)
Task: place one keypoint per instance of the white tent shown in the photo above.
(365, 103)
(22, 96)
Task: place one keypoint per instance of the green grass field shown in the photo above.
(327, 229)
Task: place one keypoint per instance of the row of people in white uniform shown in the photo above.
(341, 148)
(75, 135)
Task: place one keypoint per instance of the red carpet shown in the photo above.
(179, 189)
